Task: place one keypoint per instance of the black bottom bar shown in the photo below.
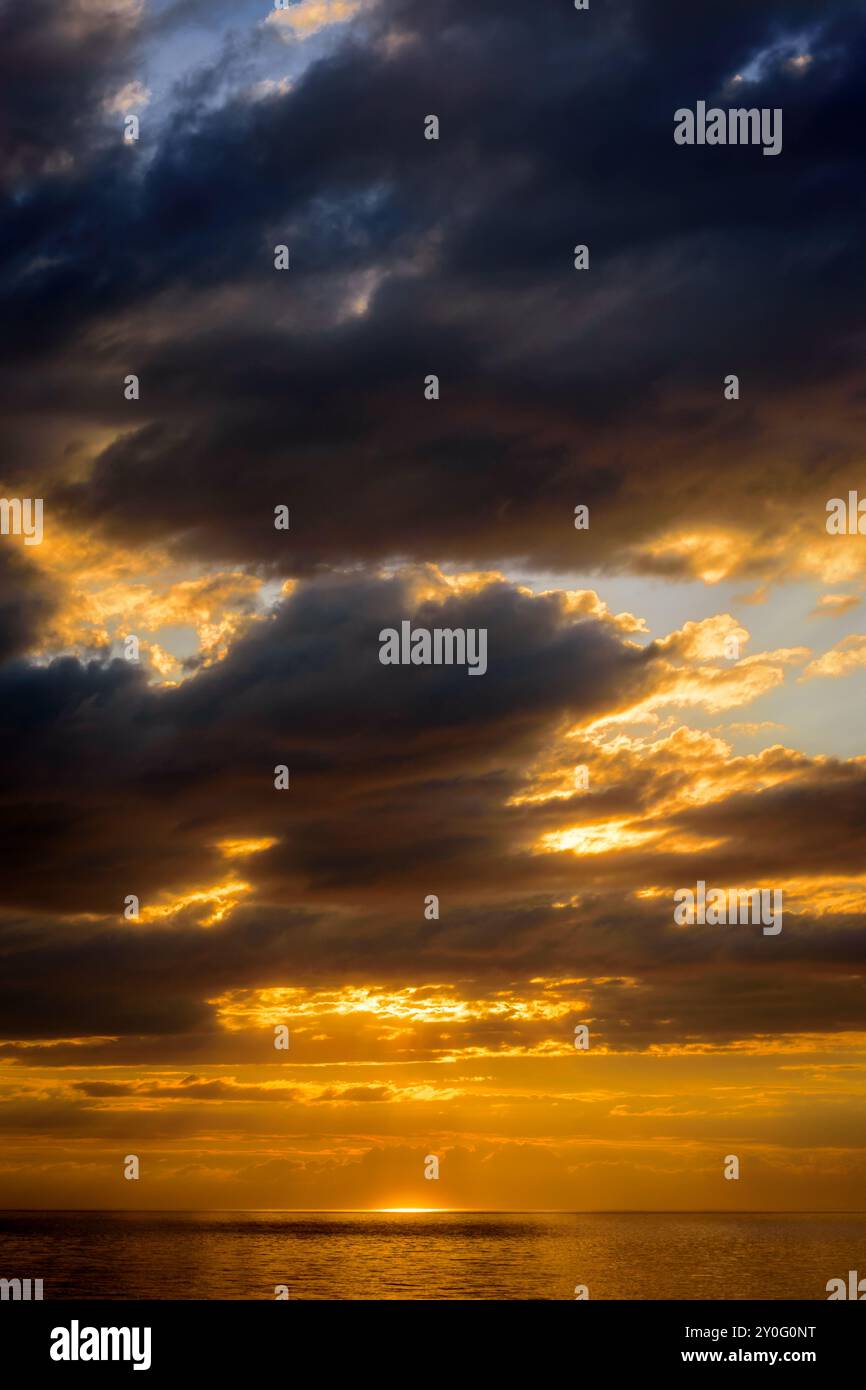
(279, 1338)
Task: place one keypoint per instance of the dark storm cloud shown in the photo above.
(58, 63)
(27, 600)
(111, 787)
(558, 387)
(141, 995)
(813, 825)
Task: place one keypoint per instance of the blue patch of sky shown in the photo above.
(820, 716)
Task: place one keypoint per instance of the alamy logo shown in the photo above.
(76, 1343)
(21, 1290)
(720, 907)
(856, 1288)
(847, 520)
(736, 126)
(22, 517)
(444, 646)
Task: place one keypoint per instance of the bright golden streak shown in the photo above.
(410, 1005)
(239, 849)
(224, 897)
(712, 555)
(596, 839)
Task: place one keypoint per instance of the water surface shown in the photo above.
(430, 1255)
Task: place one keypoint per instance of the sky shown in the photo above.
(698, 649)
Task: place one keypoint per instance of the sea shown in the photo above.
(424, 1255)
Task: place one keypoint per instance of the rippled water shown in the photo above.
(430, 1255)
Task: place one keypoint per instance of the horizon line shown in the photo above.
(444, 1211)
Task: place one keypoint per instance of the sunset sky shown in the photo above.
(608, 647)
